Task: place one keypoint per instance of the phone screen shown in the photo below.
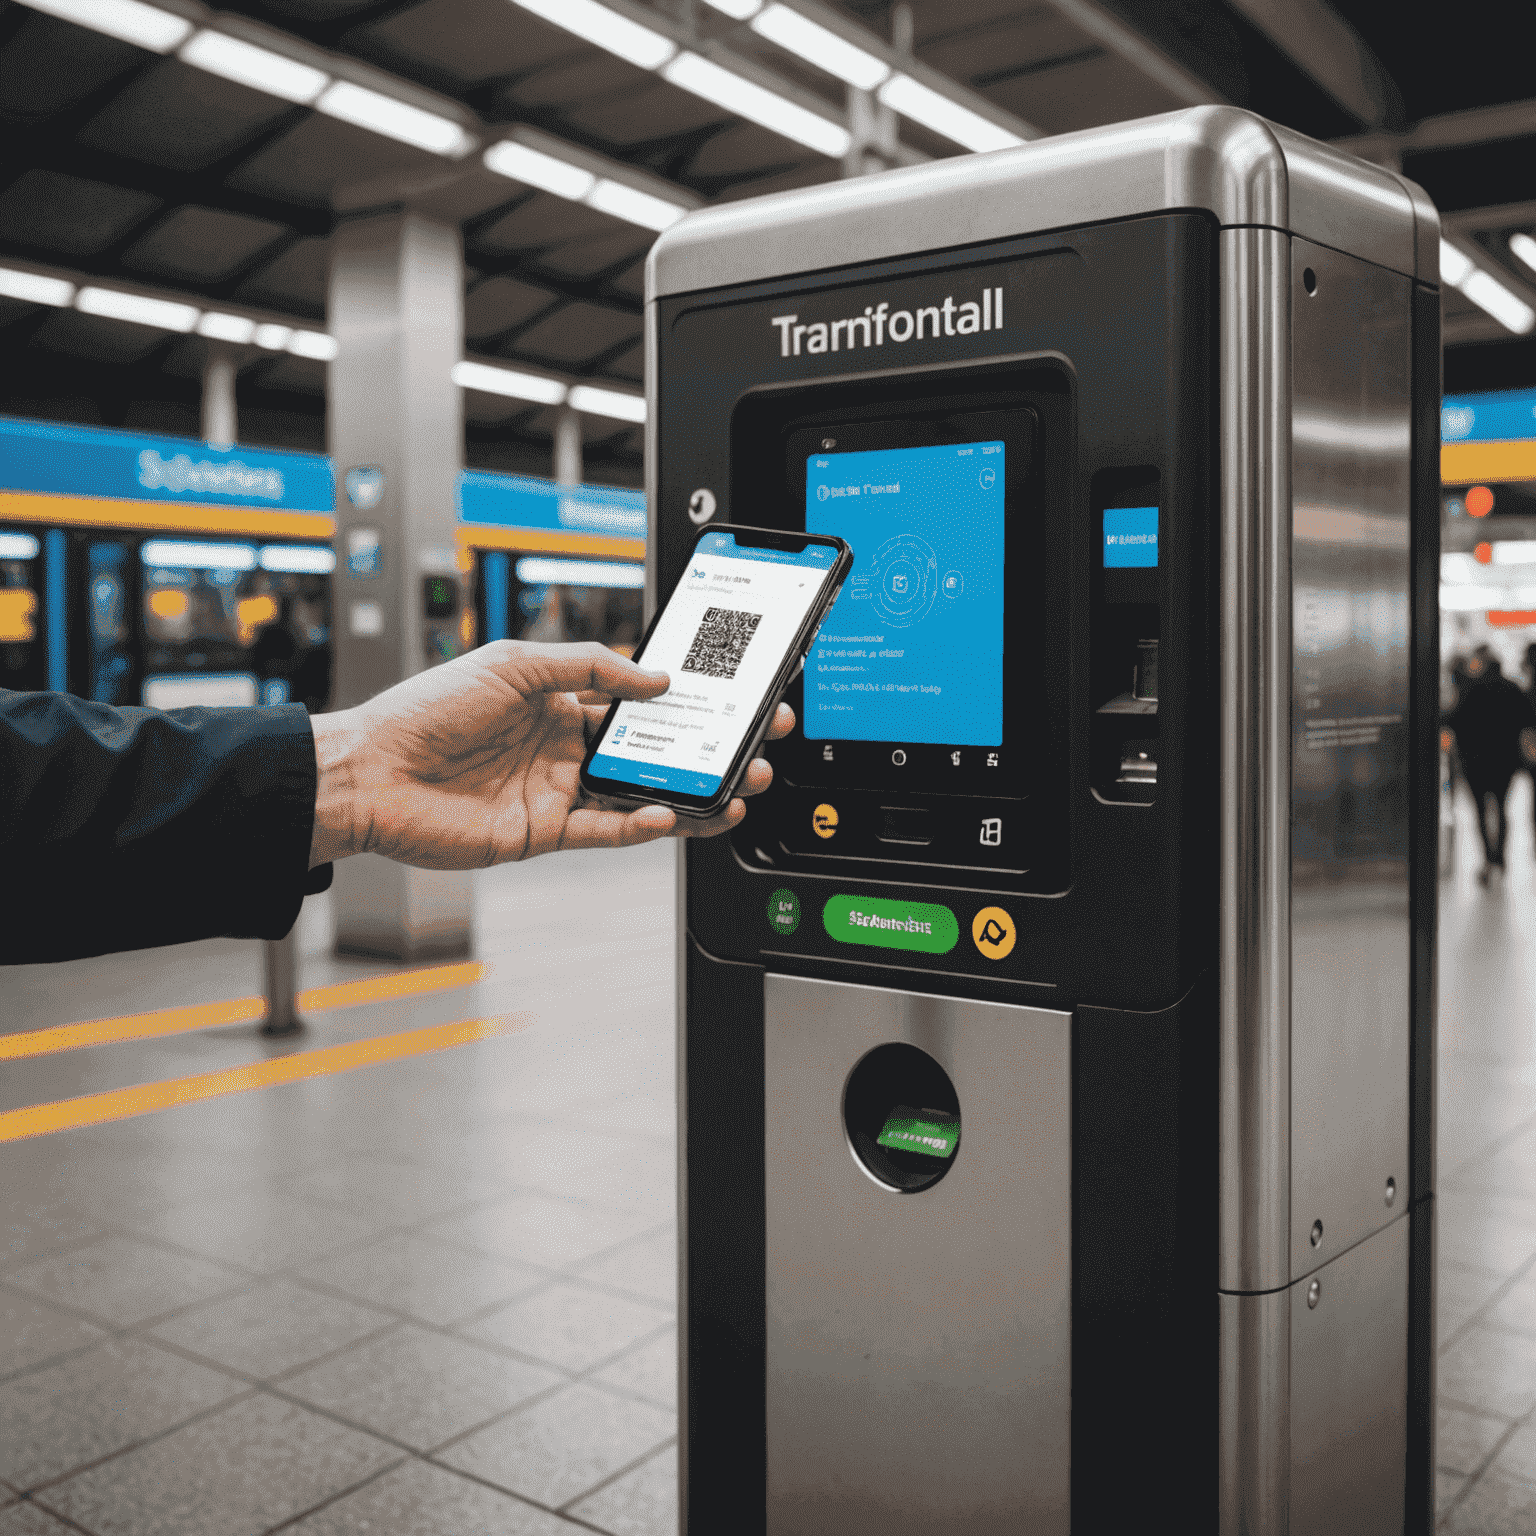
(729, 625)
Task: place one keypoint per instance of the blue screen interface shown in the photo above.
(912, 650)
(1130, 537)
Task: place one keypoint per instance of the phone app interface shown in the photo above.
(912, 650)
(728, 626)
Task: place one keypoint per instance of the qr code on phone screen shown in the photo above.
(721, 642)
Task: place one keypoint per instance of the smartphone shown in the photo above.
(732, 636)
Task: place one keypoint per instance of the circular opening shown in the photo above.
(901, 1093)
(1309, 280)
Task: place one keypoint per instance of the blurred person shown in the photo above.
(124, 828)
(1495, 731)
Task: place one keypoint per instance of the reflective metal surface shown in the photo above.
(1349, 1391)
(919, 1345)
(1219, 158)
(1255, 768)
(1255, 1469)
(1350, 998)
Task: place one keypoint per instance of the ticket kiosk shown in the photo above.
(1056, 1036)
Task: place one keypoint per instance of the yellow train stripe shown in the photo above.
(547, 541)
(1466, 463)
(164, 516)
(236, 1010)
(146, 1098)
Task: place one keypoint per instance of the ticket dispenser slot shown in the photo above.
(1126, 621)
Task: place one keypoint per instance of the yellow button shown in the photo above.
(994, 933)
(824, 820)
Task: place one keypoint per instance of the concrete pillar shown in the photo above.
(568, 468)
(220, 419)
(396, 429)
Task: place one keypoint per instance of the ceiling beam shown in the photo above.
(1451, 130)
(1122, 40)
(1325, 47)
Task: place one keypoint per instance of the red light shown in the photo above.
(1479, 501)
(1483, 554)
(1512, 618)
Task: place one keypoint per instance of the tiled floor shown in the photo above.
(431, 1299)
(438, 1297)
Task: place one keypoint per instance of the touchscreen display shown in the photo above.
(1130, 538)
(912, 651)
(726, 629)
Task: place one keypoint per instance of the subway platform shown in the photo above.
(428, 1295)
(435, 1294)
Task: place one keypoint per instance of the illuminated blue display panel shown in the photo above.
(1130, 538)
(913, 649)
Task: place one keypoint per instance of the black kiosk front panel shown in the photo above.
(952, 1031)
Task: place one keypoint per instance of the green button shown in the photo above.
(891, 924)
(784, 912)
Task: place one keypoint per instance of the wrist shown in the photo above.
(337, 744)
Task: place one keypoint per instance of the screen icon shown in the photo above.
(953, 584)
(991, 831)
(701, 506)
(991, 759)
(899, 757)
(954, 757)
(988, 479)
(993, 933)
(826, 753)
(824, 820)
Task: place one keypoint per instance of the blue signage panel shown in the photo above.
(1501, 416)
(52, 459)
(520, 501)
(1130, 537)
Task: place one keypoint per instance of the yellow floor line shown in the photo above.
(146, 1098)
(237, 1010)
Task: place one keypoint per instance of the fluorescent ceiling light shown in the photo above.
(737, 10)
(537, 570)
(625, 202)
(607, 402)
(300, 559)
(146, 25)
(1488, 293)
(220, 327)
(1455, 265)
(33, 288)
(1485, 290)
(18, 546)
(259, 68)
(315, 344)
(1525, 248)
(509, 382)
(393, 118)
(198, 557)
(161, 313)
(1459, 568)
(812, 42)
(519, 163)
(903, 94)
(747, 99)
(274, 338)
(1512, 552)
(597, 24)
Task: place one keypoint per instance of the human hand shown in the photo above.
(477, 762)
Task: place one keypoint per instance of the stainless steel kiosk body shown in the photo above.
(1057, 1035)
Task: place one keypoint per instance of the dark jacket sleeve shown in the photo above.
(127, 828)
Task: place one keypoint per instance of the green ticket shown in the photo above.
(929, 1131)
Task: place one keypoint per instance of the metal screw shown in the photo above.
(1317, 1233)
(1313, 1292)
(1391, 1190)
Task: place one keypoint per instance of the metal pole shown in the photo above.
(219, 416)
(282, 1015)
(567, 448)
